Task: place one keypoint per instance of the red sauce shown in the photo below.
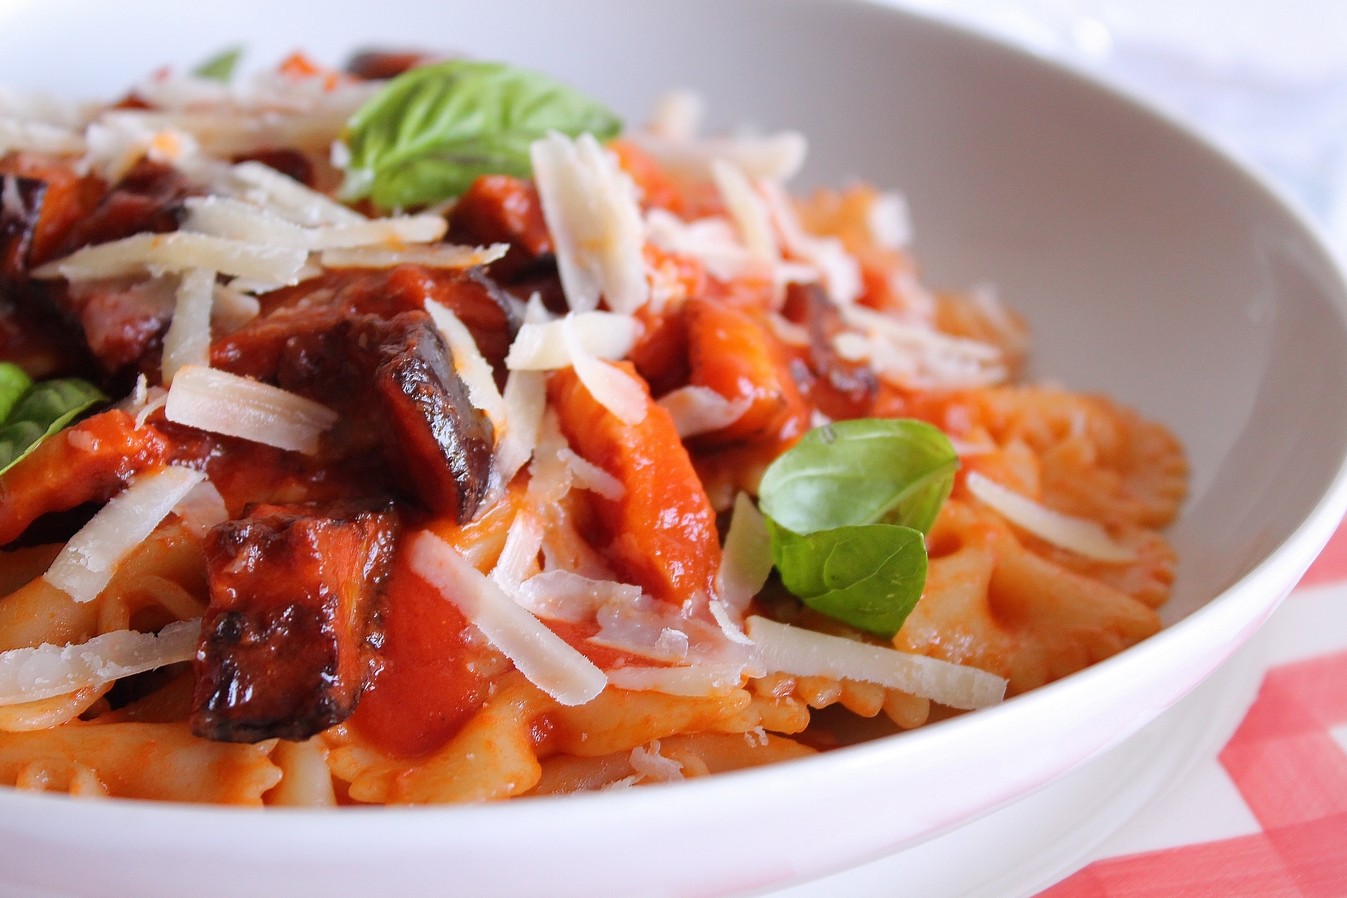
(433, 677)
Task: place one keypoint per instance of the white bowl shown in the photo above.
(1151, 268)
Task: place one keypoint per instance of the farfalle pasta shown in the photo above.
(419, 433)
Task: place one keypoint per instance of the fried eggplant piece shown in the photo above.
(291, 633)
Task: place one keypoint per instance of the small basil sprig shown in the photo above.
(434, 129)
(31, 412)
(847, 509)
(221, 66)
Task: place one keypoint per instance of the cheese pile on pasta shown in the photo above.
(416, 433)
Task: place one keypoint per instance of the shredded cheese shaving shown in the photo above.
(1084, 537)
(177, 251)
(220, 402)
(795, 650)
(44, 671)
(87, 562)
(591, 211)
(540, 655)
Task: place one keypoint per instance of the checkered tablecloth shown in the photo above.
(1266, 816)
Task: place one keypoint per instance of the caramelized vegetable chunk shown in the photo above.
(730, 353)
(840, 388)
(662, 531)
(444, 442)
(88, 462)
(288, 640)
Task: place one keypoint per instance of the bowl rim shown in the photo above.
(1259, 589)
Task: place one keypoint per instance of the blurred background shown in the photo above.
(1266, 80)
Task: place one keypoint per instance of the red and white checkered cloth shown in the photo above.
(1268, 817)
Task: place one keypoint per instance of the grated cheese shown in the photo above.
(187, 341)
(776, 157)
(701, 680)
(653, 766)
(175, 252)
(30, 674)
(568, 596)
(746, 560)
(519, 556)
(87, 562)
(591, 211)
(19, 135)
(262, 185)
(590, 476)
(540, 655)
(525, 400)
(470, 365)
(239, 220)
(611, 387)
(225, 403)
(542, 345)
(440, 255)
(747, 210)
(804, 653)
(697, 410)
(1079, 535)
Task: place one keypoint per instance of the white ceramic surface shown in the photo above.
(1149, 266)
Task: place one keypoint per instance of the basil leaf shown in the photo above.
(433, 129)
(868, 576)
(14, 383)
(221, 66)
(866, 471)
(44, 409)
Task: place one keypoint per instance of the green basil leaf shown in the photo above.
(14, 384)
(221, 66)
(45, 409)
(867, 576)
(433, 129)
(867, 471)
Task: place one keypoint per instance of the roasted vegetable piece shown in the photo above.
(840, 388)
(288, 640)
(86, 463)
(662, 531)
(730, 353)
(444, 444)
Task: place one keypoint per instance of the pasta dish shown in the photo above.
(418, 432)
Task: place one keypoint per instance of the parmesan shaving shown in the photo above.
(746, 560)
(568, 596)
(176, 252)
(238, 220)
(590, 476)
(225, 403)
(440, 255)
(87, 562)
(611, 387)
(262, 185)
(590, 207)
(776, 157)
(653, 766)
(519, 557)
(697, 410)
(470, 365)
(525, 400)
(702, 680)
(17, 135)
(30, 674)
(677, 115)
(747, 210)
(540, 655)
(542, 345)
(1079, 535)
(805, 653)
(187, 341)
